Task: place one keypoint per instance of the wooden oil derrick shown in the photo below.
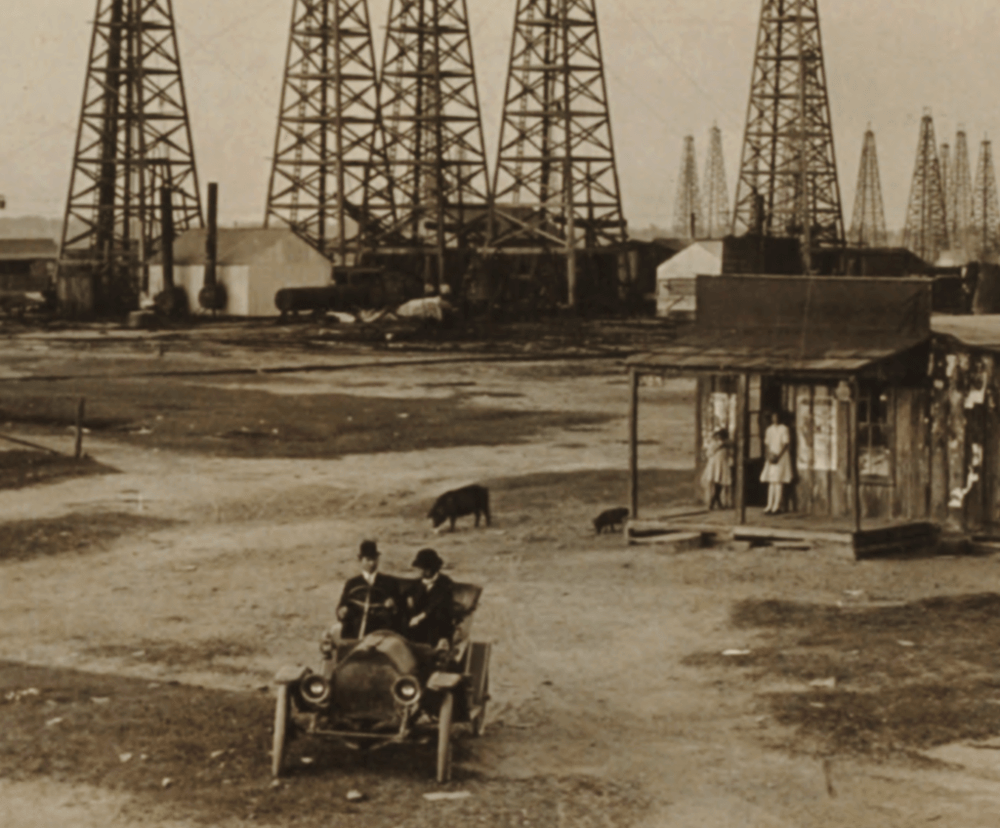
(133, 140)
(716, 192)
(556, 182)
(329, 147)
(434, 152)
(959, 204)
(787, 182)
(926, 229)
(868, 219)
(688, 220)
(985, 210)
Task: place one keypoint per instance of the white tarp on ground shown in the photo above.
(675, 278)
(429, 307)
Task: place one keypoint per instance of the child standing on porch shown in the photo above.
(718, 475)
(778, 464)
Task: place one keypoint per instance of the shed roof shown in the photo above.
(20, 249)
(236, 245)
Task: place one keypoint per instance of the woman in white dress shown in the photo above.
(777, 463)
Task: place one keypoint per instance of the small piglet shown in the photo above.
(610, 519)
(457, 503)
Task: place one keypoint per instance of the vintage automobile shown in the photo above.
(383, 689)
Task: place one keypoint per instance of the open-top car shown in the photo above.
(382, 689)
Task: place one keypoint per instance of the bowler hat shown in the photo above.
(368, 549)
(428, 559)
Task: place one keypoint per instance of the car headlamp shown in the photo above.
(315, 689)
(406, 690)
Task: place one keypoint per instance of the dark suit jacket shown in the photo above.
(438, 605)
(356, 590)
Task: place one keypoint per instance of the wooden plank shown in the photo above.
(901, 453)
(938, 450)
(855, 465)
(740, 484)
(759, 532)
(802, 410)
(840, 498)
(633, 443)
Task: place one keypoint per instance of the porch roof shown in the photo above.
(774, 351)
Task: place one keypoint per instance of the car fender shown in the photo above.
(443, 681)
(290, 674)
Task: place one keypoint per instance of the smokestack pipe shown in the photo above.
(167, 253)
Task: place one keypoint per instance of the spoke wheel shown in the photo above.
(444, 738)
(280, 731)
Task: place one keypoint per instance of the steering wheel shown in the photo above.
(363, 597)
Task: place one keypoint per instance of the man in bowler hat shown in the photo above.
(430, 602)
(370, 601)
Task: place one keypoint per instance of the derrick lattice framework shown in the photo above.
(329, 147)
(787, 182)
(134, 138)
(947, 183)
(556, 182)
(716, 193)
(959, 203)
(435, 156)
(985, 210)
(868, 219)
(926, 228)
(688, 220)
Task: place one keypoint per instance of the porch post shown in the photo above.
(739, 489)
(855, 460)
(633, 443)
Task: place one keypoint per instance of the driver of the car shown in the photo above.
(370, 601)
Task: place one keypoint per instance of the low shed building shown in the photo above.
(843, 363)
(28, 264)
(253, 264)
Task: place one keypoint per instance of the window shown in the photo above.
(874, 432)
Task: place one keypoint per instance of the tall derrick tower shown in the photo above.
(926, 229)
(556, 182)
(985, 210)
(716, 206)
(133, 140)
(868, 219)
(787, 182)
(435, 157)
(329, 147)
(688, 221)
(947, 182)
(959, 203)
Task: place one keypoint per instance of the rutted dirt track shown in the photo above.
(610, 703)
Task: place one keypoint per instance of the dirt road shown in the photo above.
(611, 704)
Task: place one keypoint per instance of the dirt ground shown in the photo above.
(148, 606)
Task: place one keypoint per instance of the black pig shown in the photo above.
(610, 519)
(460, 502)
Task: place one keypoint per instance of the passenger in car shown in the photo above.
(431, 603)
(370, 601)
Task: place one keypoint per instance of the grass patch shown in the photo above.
(70, 534)
(174, 414)
(20, 468)
(129, 735)
(906, 677)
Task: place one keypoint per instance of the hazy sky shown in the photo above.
(674, 67)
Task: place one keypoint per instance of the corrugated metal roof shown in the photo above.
(19, 249)
(976, 331)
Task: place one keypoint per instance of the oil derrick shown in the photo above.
(329, 141)
(556, 182)
(868, 219)
(134, 139)
(688, 221)
(716, 205)
(985, 210)
(947, 182)
(787, 183)
(926, 229)
(959, 203)
(434, 153)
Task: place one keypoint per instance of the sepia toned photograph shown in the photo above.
(518, 414)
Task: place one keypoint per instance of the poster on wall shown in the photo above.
(803, 430)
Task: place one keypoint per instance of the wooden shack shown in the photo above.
(844, 363)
